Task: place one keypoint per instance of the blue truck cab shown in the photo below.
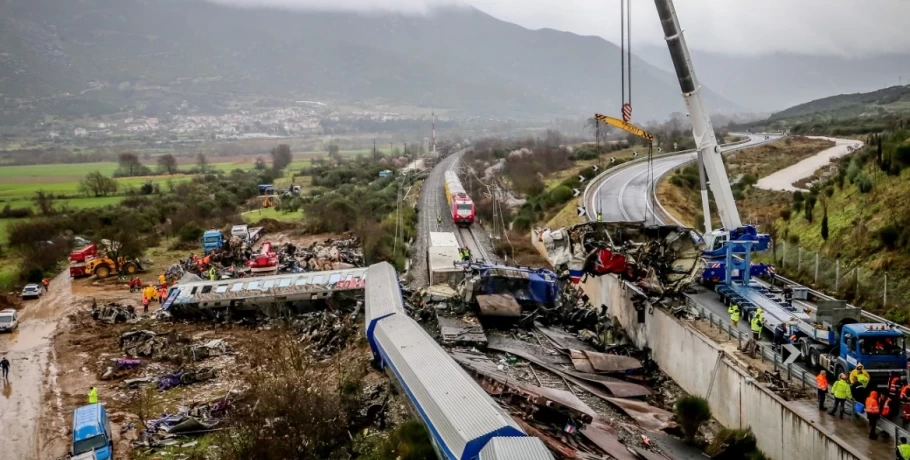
(92, 433)
(212, 240)
(881, 349)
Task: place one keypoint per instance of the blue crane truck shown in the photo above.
(212, 240)
(828, 334)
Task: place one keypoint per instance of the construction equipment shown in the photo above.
(828, 335)
(78, 259)
(103, 266)
(710, 159)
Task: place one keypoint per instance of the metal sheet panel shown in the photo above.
(443, 239)
(455, 409)
(526, 448)
(383, 294)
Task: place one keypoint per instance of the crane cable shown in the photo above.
(625, 53)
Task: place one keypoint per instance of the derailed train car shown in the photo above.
(463, 421)
(266, 295)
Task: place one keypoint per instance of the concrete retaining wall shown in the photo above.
(701, 368)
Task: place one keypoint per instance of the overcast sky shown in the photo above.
(840, 27)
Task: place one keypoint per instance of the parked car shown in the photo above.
(32, 291)
(9, 320)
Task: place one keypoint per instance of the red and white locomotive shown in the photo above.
(460, 204)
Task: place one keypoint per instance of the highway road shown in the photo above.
(625, 195)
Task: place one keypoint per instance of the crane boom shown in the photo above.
(703, 131)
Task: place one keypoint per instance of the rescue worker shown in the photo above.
(873, 412)
(734, 314)
(859, 379)
(162, 280)
(438, 219)
(93, 396)
(760, 314)
(894, 389)
(212, 273)
(4, 367)
(841, 392)
(821, 384)
(903, 450)
(162, 293)
(905, 401)
(756, 327)
(45, 282)
(600, 216)
(779, 335)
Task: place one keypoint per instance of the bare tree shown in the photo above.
(97, 184)
(281, 157)
(202, 162)
(45, 203)
(167, 164)
(334, 151)
(129, 164)
(259, 164)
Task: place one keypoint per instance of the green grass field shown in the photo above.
(254, 217)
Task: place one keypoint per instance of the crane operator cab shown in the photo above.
(716, 239)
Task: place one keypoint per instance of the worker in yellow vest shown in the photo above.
(756, 328)
(93, 396)
(734, 314)
(903, 449)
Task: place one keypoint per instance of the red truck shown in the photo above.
(79, 257)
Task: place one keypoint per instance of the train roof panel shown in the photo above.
(513, 448)
(456, 409)
(383, 294)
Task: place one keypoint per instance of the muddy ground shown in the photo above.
(58, 352)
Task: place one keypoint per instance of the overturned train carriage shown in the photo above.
(463, 421)
(265, 295)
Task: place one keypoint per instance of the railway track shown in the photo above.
(468, 239)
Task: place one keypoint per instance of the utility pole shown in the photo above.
(434, 132)
(375, 157)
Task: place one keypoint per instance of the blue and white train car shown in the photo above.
(464, 422)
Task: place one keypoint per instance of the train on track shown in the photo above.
(460, 205)
(464, 422)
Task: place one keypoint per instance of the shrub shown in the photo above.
(785, 214)
(798, 197)
(561, 194)
(191, 232)
(692, 412)
(863, 183)
(732, 445)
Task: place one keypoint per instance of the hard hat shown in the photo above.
(859, 365)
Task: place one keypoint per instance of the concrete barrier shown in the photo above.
(701, 367)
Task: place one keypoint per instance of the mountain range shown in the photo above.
(72, 58)
(774, 82)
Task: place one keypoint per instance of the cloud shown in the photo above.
(840, 27)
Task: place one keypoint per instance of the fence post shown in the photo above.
(816, 269)
(885, 293)
(837, 275)
(857, 282)
(783, 260)
(799, 258)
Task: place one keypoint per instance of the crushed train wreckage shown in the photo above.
(660, 259)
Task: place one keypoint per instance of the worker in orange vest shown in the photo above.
(873, 412)
(46, 282)
(821, 383)
(905, 400)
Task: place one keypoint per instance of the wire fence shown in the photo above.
(875, 291)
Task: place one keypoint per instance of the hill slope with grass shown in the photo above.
(845, 114)
(70, 58)
(856, 217)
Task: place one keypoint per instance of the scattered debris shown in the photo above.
(114, 313)
(660, 259)
(146, 343)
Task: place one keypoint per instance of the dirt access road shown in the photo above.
(32, 371)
